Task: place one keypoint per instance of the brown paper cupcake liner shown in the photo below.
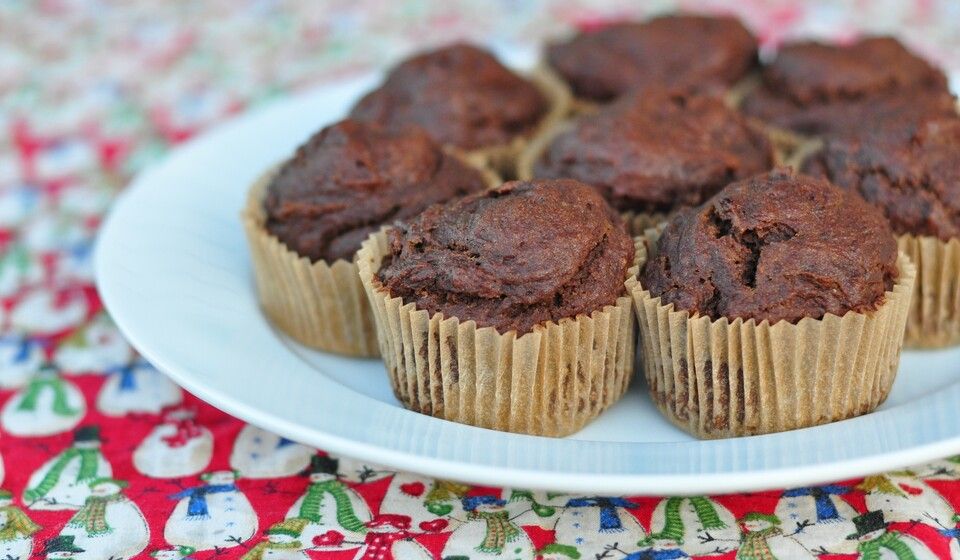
(550, 382)
(503, 158)
(717, 379)
(320, 305)
(934, 319)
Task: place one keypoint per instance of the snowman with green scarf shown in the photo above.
(63, 481)
(215, 514)
(330, 506)
(48, 404)
(109, 525)
(876, 542)
(700, 525)
(16, 530)
(762, 538)
(488, 532)
(592, 523)
(819, 517)
(284, 542)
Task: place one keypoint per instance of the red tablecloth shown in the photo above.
(106, 458)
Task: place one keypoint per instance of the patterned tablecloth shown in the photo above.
(106, 458)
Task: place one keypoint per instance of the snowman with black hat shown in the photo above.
(333, 510)
(876, 542)
(63, 481)
(62, 546)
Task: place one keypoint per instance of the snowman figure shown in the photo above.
(425, 502)
(283, 542)
(258, 453)
(108, 525)
(942, 469)
(902, 497)
(62, 547)
(62, 482)
(20, 357)
(536, 508)
(49, 313)
(658, 549)
(389, 538)
(16, 530)
(94, 348)
(875, 542)
(818, 517)
(591, 524)
(173, 553)
(137, 388)
(698, 524)
(213, 515)
(17, 204)
(330, 505)
(18, 269)
(763, 539)
(176, 448)
(47, 405)
(488, 532)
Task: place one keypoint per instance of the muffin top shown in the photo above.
(657, 150)
(352, 177)
(914, 181)
(774, 247)
(524, 253)
(460, 94)
(680, 51)
(816, 88)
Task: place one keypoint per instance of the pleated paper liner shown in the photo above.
(717, 379)
(934, 319)
(550, 382)
(503, 158)
(320, 305)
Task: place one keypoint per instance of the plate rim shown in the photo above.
(568, 481)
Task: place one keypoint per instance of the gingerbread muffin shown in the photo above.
(915, 182)
(684, 52)
(873, 84)
(782, 289)
(464, 97)
(531, 270)
(653, 152)
(306, 220)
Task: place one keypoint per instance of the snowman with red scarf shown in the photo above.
(389, 538)
(175, 448)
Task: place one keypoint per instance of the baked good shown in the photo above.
(464, 97)
(683, 52)
(915, 182)
(652, 152)
(778, 304)
(871, 85)
(511, 299)
(305, 220)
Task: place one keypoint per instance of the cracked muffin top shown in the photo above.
(352, 177)
(685, 52)
(775, 247)
(915, 182)
(524, 253)
(815, 88)
(658, 150)
(460, 94)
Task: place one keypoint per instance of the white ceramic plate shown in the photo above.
(174, 272)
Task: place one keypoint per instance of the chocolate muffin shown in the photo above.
(775, 247)
(915, 182)
(872, 85)
(306, 219)
(512, 257)
(506, 309)
(656, 151)
(685, 52)
(352, 177)
(461, 95)
(778, 304)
